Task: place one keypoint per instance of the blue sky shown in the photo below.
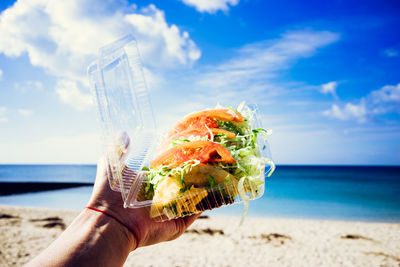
(325, 75)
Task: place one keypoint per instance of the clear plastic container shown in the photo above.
(131, 143)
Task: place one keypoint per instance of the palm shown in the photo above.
(147, 230)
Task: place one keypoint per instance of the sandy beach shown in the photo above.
(218, 241)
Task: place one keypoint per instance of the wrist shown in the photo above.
(113, 207)
(113, 229)
(92, 239)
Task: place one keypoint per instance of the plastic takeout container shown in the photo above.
(131, 140)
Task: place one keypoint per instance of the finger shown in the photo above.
(118, 150)
(115, 157)
(122, 143)
(102, 168)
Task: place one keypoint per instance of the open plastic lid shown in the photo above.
(125, 113)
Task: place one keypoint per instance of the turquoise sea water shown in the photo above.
(319, 192)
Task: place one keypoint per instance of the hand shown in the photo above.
(93, 233)
(146, 230)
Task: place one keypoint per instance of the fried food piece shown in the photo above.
(168, 196)
(199, 175)
(167, 191)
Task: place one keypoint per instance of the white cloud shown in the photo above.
(387, 94)
(155, 36)
(1, 74)
(211, 6)
(254, 66)
(382, 101)
(3, 117)
(386, 99)
(329, 88)
(28, 85)
(69, 92)
(25, 112)
(63, 37)
(391, 52)
(349, 111)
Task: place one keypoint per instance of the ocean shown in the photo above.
(355, 193)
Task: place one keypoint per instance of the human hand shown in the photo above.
(146, 230)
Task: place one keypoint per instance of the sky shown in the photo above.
(325, 75)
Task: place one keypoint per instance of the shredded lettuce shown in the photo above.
(212, 181)
(244, 148)
(156, 175)
(249, 169)
(190, 138)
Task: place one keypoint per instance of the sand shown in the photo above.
(218, 241)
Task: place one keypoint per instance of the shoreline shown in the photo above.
(218, 241)
(16, 188)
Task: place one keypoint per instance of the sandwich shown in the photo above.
(208, 159)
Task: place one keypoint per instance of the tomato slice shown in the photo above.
(204, 151)
(197, 122)
(195, 132)
(222, 114)
(207, 118)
